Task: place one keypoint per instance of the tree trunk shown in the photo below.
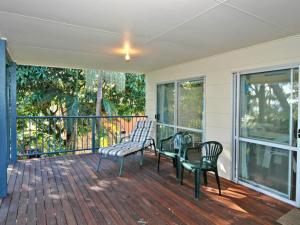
(282, 98)
(98, 111)
(99, 97)
(262, 103)
(71, 123)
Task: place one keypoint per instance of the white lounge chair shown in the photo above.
(139, 139)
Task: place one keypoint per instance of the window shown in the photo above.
(267, 127)
(180, 107)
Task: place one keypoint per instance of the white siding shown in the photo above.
(218, 70)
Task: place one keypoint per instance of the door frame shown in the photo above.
(236, 136)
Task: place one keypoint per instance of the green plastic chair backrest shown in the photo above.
(181, 141)
(211, 151)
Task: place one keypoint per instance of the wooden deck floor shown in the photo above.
(68, 190)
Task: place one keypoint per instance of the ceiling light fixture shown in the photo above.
(126, 51)
(127, 56)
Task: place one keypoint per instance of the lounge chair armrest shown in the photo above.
(152, 141)
(148, 139)
(123, 138)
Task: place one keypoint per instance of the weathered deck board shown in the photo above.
(68, 190)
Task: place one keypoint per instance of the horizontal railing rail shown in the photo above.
(56, 135)
(67, 117)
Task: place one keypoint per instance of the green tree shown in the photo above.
(46, 91)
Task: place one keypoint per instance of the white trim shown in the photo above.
(291, 126)
(237, 126)
(155, 129)
(192, 78)
(298, 146)
(266, 188)
(270, 68)
(176, 105)
(236, 138)
(233, 121)
(291, 109)
(179, 127)
(204, 110)
(258, 189)
(269, 143)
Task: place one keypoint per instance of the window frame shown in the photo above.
(236, 131)
(175, 126)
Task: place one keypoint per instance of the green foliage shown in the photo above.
(46, 91)
(132, 100)
(109, 77)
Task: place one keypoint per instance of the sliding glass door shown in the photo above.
(190, 108)
(165, 110)
(266, 131)
(180, 107)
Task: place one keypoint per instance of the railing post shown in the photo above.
(3, 120)
(93, 135)
(13, 125)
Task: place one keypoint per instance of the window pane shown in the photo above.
(196, 136)
(268, 167)
(294, 101)
(190, 104)
(265, 106)
(165, 103)
(163, 132)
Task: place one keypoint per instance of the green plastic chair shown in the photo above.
(207, 161)
(173, 147)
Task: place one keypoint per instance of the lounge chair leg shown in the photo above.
(98, 167)
(121, 166)
(142, 158)
(218, 181)
(158, 162)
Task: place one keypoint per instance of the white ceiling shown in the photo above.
(83, 34)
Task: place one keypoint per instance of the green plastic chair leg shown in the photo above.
(197, 183)
(205, 177)
(177, 163)
(181, 176)
(158, 162)
(121, 165)
(98, 167)
(218, 181)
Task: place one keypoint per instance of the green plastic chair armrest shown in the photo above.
(185, 153)
(164, 141)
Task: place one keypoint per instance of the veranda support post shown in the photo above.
(3, 120)
(13, 121)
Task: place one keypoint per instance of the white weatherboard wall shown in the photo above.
(218, 71)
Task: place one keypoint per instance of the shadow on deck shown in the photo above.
(68, 190)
